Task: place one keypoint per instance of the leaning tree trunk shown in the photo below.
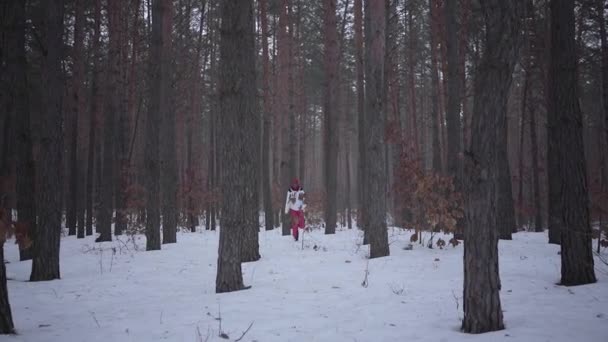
(330, 115)
(158, 64)
(481, 300)
(17, 66)
(237, 97)
(168, 159)
(567, 130)
(45, 263)
(375, 122)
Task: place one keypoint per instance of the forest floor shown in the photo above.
(321, 289)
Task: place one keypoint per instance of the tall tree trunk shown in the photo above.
(286, 109)
(375, 122)
(267, 115)
(93, 113)
(168, 159)
(159, 67)
(110, 133)
(604, 51)
(454, 93)
(6, 317)
(412, 85)
(77, 113)
(25, 171)
(566, 128)
(330, 114)
(481, 300)
(45, 263)
(538, 220)
(362, 178)
(435, 124)
(505, 208)
(521, 154)
(237, 97)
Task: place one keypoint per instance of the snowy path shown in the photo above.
(296, 295)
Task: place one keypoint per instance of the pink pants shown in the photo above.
(297, 221)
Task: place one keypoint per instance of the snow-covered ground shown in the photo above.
(113, 292)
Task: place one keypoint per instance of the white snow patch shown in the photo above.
(113, 292)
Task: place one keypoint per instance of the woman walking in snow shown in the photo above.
(294, 206)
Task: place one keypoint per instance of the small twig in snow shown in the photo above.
(244, 333)
(161, 317)
(112, 260)
(95, 318)
(456, 299)
(365, 282)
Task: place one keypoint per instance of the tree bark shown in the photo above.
(454, 93)
(267, 115)
(538, 220)
(93, 112)
(481, 300)
(330, 114)
(45, 263)
(159, 67)
(6, 317)
(25, 168)
(237, 96)
(375, 123)
(362, 179)
(522, 130)
(168, 160)
(453, 88)
(566, 129)
(287, 144)
(505, 208)
(435, 124)
(604, 51)
(109, 189)
(77, 113)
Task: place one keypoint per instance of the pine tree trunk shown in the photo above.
(453, 124)
(25, 171)
(522, 129)
(93, 112)
(6, 317)
(375, 113)
(362, 179)
(266, 182)
(567, 130)
(237, 97)
(481, 300)
(168, 160)
(158, 66)
(77, 113)
(538, 220)
(604, 52)
(330, 114)
(45, 263)
(109, 188)
(435, 124)
(285, 106)
(505, 209)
